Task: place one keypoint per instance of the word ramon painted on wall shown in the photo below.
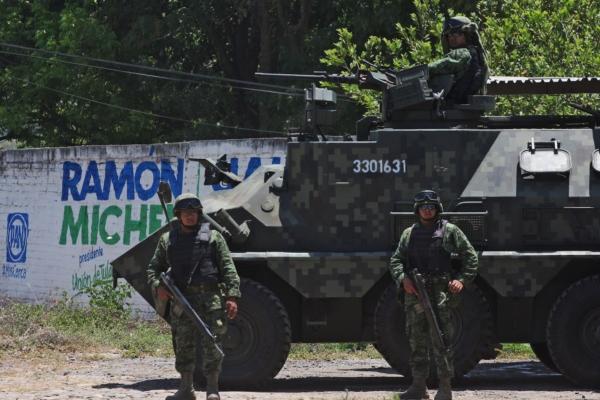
(131, 181)
(17, 232)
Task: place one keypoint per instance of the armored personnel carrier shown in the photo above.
(318, 232)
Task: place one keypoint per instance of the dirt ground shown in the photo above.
(108, 376)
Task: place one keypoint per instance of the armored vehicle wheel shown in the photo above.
(258, 340)
(390, 335)
(543, 354)
(472, 326)
(573, 332)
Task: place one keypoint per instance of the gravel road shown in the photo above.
(111, 377)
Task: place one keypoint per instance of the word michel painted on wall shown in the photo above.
(90, 223)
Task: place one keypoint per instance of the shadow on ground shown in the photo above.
(497, 376)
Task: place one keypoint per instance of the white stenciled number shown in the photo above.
(387, 168)
(379, 166)
(365, 166)
(399, 166)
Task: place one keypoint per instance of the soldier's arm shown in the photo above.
(468, 256)
(455, 62)
(159, 263)
(229, 275)
(398, 260)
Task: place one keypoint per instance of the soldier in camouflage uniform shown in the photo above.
(427, 246)
(202, 268)
(465, 59)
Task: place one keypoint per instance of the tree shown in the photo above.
(523, 38)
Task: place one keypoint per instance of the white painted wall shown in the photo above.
(66, 212)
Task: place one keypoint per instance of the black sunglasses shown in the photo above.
(189, 203)
(452, 23)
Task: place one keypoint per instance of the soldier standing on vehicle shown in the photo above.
(427, 247)
(465, 58)
(202, 268)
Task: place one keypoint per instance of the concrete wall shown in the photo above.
(66, 212)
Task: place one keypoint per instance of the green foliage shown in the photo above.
(332, 351)
(47, 102)
(104, 298)
(522, 38)
(542, 38)
(65, 327)
(513, 351)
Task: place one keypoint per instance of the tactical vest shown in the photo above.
(192, 257)
(473, 80)
(425, 250)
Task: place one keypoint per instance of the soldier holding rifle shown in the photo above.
(200, 266)
(424, 253)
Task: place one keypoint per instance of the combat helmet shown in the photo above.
(187, 201)
(460, 23)
(428, 197)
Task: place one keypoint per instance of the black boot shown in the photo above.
(212, 386)
(186, 388)
(416, 391)
(444, 391)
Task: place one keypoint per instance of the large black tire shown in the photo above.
(543, 354)
(573, 332)
(472, 326)
(257, 342)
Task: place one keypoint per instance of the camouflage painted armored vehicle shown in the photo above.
(526, 190)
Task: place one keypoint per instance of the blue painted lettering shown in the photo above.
(69, 183)
(118, 181)
(129, 179)
(253, 164)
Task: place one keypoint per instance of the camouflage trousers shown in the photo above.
(209, 306)
(419, 332)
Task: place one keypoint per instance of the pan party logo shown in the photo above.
(17, 231)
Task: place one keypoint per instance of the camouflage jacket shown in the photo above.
(454, 241)
(227, 271)
(455, 62)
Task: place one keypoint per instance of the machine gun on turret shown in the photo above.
(410, 99)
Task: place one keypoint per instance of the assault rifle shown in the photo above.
(188, 309)
(434, 326)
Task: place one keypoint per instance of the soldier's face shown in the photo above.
(189, 217)
(456, 40)
(427, 212)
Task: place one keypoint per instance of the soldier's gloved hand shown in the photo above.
(455, 286)
(163, 294)
(409, 286)
(231, 307)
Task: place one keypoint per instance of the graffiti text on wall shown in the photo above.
(14, 271)
(103, 182)
(90, 224)
(253, 164)
(84, 279)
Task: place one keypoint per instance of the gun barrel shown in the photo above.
(189, 310)
(311, 77)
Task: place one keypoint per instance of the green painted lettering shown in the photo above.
(131, 225)
(105, 236)
(75, 228)
(95, 217)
